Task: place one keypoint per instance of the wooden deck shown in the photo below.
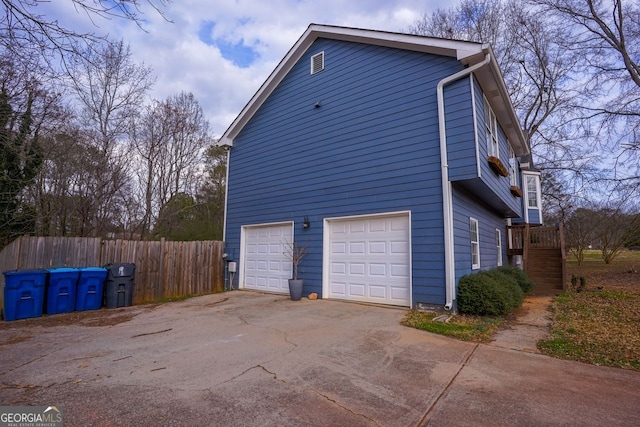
(543, 255)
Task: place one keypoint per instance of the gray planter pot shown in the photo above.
(295, 289)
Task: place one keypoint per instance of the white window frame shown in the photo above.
(491, 124)
(533, 191)
(499, 246)
(474, 228)
(513, 162)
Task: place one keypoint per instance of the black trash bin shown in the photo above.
(118, 289)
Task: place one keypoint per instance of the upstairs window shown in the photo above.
(475, 244)
(533, 195)
(317, 63)
(492, 129)
(513, 167)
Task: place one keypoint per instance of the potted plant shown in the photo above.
(295, 253)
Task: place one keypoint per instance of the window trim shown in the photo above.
(536, 192)
(499, 246)
(475, 244)
(513, 162)
(491, 126)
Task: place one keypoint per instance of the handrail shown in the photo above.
(534, 237)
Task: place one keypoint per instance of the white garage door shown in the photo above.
(266, 267)
(369, 259)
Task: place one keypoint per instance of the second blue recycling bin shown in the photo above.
(24, 293)
(90, 288)
(61, 290)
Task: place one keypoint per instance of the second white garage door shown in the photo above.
(369, 259)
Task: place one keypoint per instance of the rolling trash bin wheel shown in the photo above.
(119, 285)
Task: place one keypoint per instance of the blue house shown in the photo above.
(395, 159)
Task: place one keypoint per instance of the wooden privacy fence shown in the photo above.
(163, 269)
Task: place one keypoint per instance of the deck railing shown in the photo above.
(536, 237)
(522, 238)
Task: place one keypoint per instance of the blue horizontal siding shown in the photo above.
(534, 216)
(371, 147)
(466, 206)
(500, 185)
(461, 143)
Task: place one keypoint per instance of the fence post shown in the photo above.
(161, 269)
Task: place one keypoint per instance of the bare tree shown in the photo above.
(149, 137)
(535, 66)
(580, 231)
(605, 34)
(26, 31)
(110, 87)
(169, 140)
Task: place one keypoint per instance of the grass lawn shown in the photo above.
(601, 323)
(462, 327)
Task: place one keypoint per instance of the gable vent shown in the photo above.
(317, 63)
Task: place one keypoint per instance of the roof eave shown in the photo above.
(465, 52)
(495, 89)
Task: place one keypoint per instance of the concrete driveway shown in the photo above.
(251, 359)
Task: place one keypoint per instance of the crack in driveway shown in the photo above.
(426, 419)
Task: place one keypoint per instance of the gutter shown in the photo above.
(447, 205)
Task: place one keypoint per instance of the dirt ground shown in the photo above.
(102, 317)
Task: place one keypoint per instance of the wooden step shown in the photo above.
(544, 268)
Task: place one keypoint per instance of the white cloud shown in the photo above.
(182, 61)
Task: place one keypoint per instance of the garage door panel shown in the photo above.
(338, 288)
(399, 270)
(357, 269)
(377, 269)
(376, 264)
(266, 267)
(356, 228)
(378, 225)
(339, 248)
(338, 268)
(379, 292)
(399, 294)
(377, 247)
(401, 248)
(357, 289)
(357, 248)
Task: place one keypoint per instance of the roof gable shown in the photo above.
(467, 53)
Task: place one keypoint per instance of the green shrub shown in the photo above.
(488, 293)
(521, 277)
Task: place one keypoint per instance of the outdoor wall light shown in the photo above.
(318, 105)
(306, 224)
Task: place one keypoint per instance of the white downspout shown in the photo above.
(447, 206)
(226, 194)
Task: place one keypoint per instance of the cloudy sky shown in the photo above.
(223, 50)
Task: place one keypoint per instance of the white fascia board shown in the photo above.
(495, 89)
(452, 48)
(465, 52)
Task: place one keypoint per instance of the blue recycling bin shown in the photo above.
(24, 293)
(90, 288)
(61, 290)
